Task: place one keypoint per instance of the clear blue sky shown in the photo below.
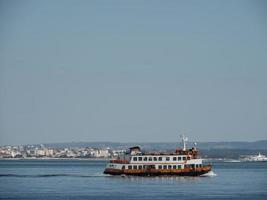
(132, 70)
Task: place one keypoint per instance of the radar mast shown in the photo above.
(184, 140)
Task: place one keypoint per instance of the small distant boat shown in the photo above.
(255, 158)
(182, 162)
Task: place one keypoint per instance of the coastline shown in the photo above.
(47, 158)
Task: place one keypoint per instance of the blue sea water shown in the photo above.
(83, 179)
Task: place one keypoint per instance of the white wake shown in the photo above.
(209, 174)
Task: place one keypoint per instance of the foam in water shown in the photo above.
(209, 174)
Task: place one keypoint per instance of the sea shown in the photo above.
(84, 179)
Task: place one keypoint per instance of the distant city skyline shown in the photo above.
(132, 71)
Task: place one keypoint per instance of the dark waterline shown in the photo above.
(83, 179)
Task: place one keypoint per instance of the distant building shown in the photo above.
(49, 152)
(40, 152)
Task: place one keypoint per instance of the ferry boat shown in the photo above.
(181, 162)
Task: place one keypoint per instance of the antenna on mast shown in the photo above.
(184, 140)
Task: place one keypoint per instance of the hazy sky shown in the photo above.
(132, 70)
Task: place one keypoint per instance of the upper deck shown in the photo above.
(135, 155)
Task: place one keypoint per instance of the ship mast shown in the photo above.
(184, 140)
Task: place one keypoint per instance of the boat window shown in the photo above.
(135, 166)
(145, 158)
(134, 158)
(164, 166)
(200, 165)
(140, 167)
(130, 167)
(174, 158)
(123, 167)
(174, 166)
(160, 158)
(184, 158)
(160, 166)
(167, 158)
(179, 166)
(169, 166)
(140, 158)
(150, 158)
(188, 158)
(144, 167)
(179, 158)
(152, 166)
(155, 158)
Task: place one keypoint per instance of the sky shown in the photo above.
(132, 71)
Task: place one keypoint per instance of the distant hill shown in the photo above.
(262, 144)
(257, 145)
(207, 149)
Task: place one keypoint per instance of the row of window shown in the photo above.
(154, 158)
(193, 166)
(153, 167)
(162, 166)
(170, 166)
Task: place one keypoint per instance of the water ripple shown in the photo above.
(50, 175)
